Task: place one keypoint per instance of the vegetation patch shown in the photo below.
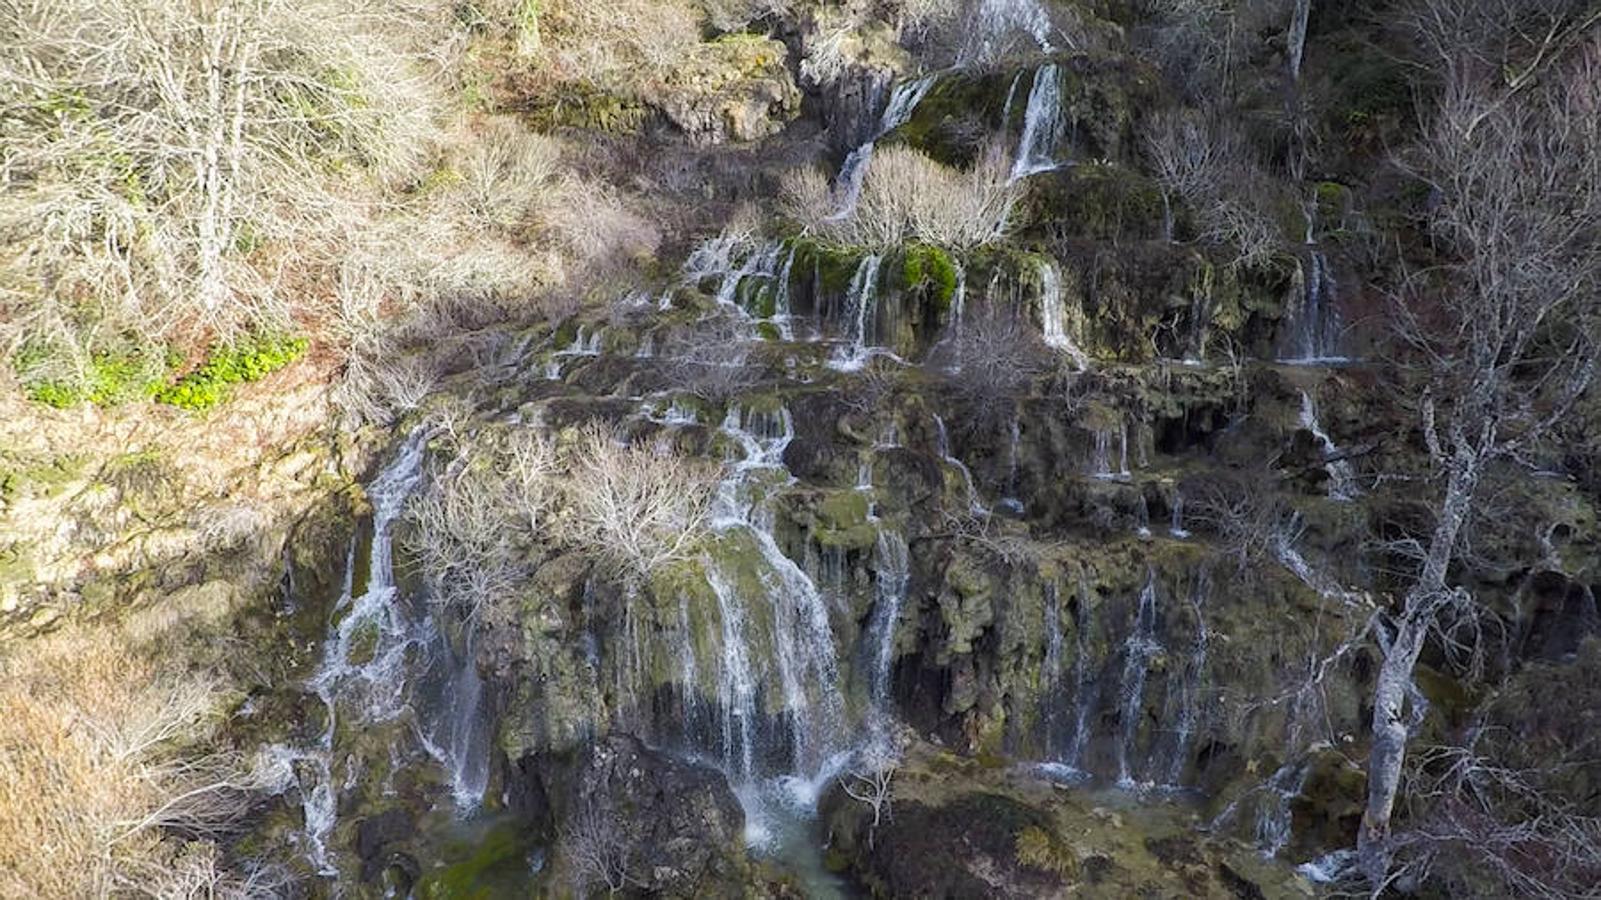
(226, 366)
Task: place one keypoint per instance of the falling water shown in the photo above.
(1176, 526)
(1342, 479)
(942, 446)
(374, 690)
(1013, 443)
(1042, 125)
(1138, 650)
(853, 171)
(1053, 311)
(1142, 517)
(736, 682)
(1194, 682)
(782, 314)
(1312, 330)
(1273, 815)
(893, 575)
(995, 21)
(860, 303)
(1086, 692)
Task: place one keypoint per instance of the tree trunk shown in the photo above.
(1388, 754)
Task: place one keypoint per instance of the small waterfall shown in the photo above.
(1086, 689)
(990, 31)
(853, 171)
(783, 315)
(1273, 823)
(1176, 525)
(372, 687)
(1342, 479)
(1042, 125)
(1312, 327)
(860, 304)
(942, 446)
(1138, 651)
(1013, 444)
(1189, 714)
(893, 574)
(736, 682)
(1053, 311)
(1051, 668)
(459, 738)
(1101, 455)
(1142, 517)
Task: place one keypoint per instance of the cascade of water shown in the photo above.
(1273, 816)
(1101, 455)
(689, 665)
(804, 656)
(1342, 478)
(942, 446)
(782, 314)
(1051, 668)
(1086, 690)
(1042, 125)
(458, 738)
(1176, 526)
(1053, 312)
(1138, 650)
(903, 102)
(1142, 517)
(995, 21)
(1013, 443)
(1194, 681)
(371, 686)
(1122, 443)
(860, 303)
(1312, 332)
(893, 574)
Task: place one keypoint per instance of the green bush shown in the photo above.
(250, 360)
(110, 378)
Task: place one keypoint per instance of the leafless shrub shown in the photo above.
(711, 360)
(1204, 163)
(633, 506)
(993, 361)
(1249, 520)
(596, 849)
(907, 196)
(226, 124)
(618, 44)
(470, 527)
(870, 779)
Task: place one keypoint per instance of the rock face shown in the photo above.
(632, 819)
(736, 89)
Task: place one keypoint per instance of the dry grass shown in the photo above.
(907, 196)
(97, 761)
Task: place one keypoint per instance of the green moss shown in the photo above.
(250, 360)
(833, 266)
(932, 270)
(581, 106)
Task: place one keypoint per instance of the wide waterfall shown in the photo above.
(994, 24)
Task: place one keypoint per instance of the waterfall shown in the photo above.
(1138, 650)
(372, 688)
(782, 313)
(1142, 517)
(990, 31)
(803, 655)
(459, 740)
(1101, 455)
(1122, 442)
(1312, 326)
(1053, 311)
(1176, 526)
(853, 171)
(1042, 125)
(1086, 692)
(942, 446)
(1342, 479)
(1194, 682)
(1013, 442)
(1051, 668)
(860, 304)
(1272, 828)
(893, 574)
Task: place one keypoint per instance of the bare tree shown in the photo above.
(596, 848)
(1505, 331)
(1202, 161)
(634, 506)
(870, 779)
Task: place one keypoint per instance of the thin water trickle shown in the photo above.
(1053, 312)
(1138, 651)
